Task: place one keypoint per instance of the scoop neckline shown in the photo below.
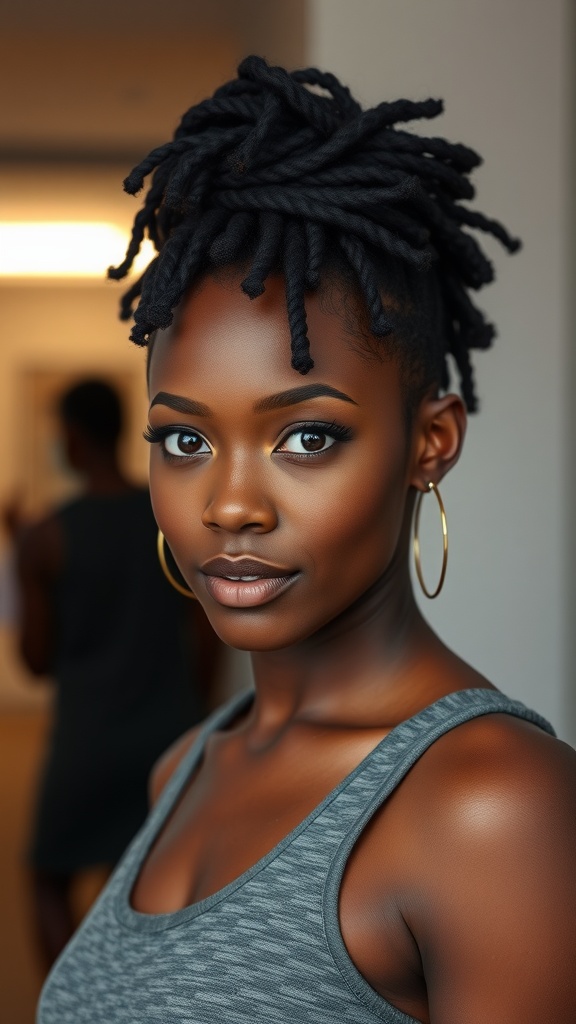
(142, 921)
(136, 857)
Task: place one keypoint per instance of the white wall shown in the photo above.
(502, 69)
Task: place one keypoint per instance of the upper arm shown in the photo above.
(495, 917)
(167, 764)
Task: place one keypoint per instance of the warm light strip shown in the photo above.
(64, 249)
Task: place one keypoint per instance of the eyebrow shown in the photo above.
(278, 401)
(180, 404)
(301, 394)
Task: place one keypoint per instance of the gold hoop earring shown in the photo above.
(416, 540)
(161, 541)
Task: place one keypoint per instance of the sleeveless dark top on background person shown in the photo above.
(267, 947)
(124, 682)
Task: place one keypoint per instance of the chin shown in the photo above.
(255, 632)
(255, 640)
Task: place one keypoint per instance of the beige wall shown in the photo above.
(114, 77)
(502, 69)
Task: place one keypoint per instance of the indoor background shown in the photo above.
(89, 88)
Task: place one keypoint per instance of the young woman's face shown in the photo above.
(281, 497)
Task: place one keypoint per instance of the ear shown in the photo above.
(438, 436)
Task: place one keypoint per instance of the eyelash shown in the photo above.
(155, 435)
(340, 434)
(337, 431)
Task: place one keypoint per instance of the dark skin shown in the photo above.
(458, 901)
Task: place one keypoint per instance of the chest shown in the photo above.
(236, 812)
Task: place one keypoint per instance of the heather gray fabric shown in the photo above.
(267, 948)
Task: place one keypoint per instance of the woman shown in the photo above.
(377, 833)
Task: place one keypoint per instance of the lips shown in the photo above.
(245, 582)
(237, 567)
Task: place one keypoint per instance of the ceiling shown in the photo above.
(89, 88)
(106, 81)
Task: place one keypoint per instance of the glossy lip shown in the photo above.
(270, 582)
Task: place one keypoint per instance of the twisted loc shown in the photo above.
(285, 172)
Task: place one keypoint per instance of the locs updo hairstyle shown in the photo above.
(285, 172)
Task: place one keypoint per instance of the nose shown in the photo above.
(239, 501)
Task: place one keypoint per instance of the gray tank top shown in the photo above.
(267, 947)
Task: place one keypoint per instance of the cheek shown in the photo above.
(353, 518)
(157, 490)
(171, 498)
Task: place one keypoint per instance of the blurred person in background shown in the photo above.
(132, 671)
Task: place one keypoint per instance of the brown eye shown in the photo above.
(307, 442)
(313, 442)
(182, 443)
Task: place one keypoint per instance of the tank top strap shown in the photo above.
(219, 719)
(411, 738)
(173, 789)
(385, 767)
(390, 760)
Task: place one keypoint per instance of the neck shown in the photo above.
(360, 663)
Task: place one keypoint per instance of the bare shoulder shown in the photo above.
(488, 829)
(496, 776)
(167, 764)
(502, 753)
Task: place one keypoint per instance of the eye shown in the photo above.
(183, 443)
(307, 441)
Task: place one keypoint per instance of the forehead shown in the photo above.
(222, 337)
